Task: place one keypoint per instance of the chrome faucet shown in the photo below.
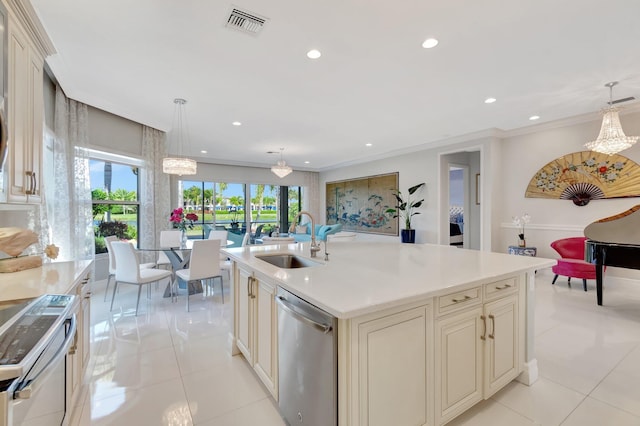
(315, 247)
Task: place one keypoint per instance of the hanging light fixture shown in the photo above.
(280, 168)
(611, 139)
(179, 165)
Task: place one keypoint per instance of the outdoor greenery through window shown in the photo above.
(239, 208)
(114, 194)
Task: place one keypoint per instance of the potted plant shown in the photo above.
(406, 210)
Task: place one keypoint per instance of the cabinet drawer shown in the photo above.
(499, 288)
(462, 299)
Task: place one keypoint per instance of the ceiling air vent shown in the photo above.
(244, 21)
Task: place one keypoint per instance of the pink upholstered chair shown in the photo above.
(572, 264)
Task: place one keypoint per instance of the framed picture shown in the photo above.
(361, 204)
(478, 189)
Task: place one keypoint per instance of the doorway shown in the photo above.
(458, 204)
(460, 209)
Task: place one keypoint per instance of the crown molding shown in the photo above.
(569, 121)
(24, 12)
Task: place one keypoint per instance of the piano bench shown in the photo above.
(574, 268)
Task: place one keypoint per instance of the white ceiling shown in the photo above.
(373, 84)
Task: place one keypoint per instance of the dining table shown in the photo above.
(179, 258)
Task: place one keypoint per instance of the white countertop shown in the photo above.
(364, 277)
(51, 278)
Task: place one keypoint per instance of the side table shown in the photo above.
(523, 251)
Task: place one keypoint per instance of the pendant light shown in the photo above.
(179, 165)
(611, 139)
(281, 169)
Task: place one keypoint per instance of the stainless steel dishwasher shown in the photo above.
(307, 362)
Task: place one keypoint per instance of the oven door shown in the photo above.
(39, 396)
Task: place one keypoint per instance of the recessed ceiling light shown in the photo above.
(237, 123)
(313, 54)
(429, 43)
(203, 151)
(534, 117)
(489, 100)
(307, 162)
(368, 144)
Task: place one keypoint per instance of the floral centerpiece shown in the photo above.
(182, 221)
(520, 222)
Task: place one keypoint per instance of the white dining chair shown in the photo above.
(245, 240)
(112, 262)
(128, 270)
(222, 236)
(202, 265)
(168, 239)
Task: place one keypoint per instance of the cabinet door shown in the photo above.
(458, 348)
(393, 369)
(35, 114)
(19, 99)
(25, 113)
(266, 332)
(244, 316)
(501, 353)
(86, 330)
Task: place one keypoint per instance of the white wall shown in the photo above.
(413, 168)
(524, 155)
(507, 164)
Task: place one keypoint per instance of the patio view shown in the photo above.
(235, 207)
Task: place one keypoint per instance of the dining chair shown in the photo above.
(245, 240)
(201, 266)
(168, 239)
(222, 236)
(128, 270)
(112, 262)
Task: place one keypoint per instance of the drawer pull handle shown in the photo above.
(484, 329)
(493, 327)
(466, 297)
(502, 287)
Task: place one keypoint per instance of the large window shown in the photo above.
(239, 208)
(114, 194)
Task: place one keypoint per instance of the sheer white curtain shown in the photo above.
(154, 191)
(311, 199)
(69, 206)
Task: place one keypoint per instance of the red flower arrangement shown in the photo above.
(181, 220)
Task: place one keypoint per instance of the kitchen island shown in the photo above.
(424, 331)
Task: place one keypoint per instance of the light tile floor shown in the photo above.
(171, 367)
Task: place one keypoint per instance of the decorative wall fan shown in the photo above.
(585, 176)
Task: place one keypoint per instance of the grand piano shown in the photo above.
(614, 241)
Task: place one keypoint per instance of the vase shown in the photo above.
(522, 242)
(183, 239)
(408, 235)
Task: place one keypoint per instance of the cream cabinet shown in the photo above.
(244, 313)
(79, 353)
(28, 45)
(390, 368)
(25, 117)
(477, 346)
(256, 327)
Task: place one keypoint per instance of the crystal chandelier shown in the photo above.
(179, 165)
(611, 139)
(281, 169)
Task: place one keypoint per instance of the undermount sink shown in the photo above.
(287, 261)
